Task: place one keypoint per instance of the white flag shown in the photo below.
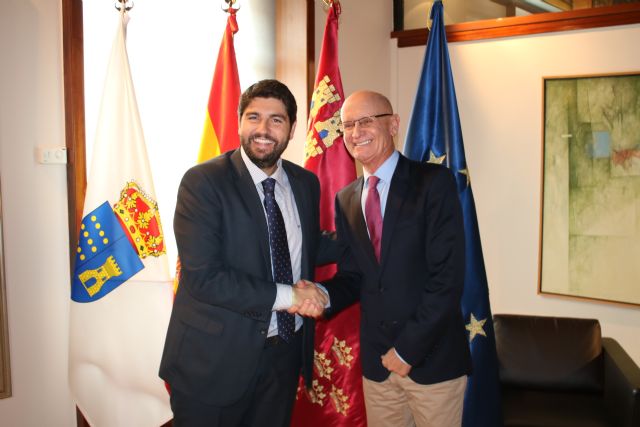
(121, 288)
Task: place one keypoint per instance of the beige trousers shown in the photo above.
(400, 402)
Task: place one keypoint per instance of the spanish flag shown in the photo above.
(221, 125)
(220, 132)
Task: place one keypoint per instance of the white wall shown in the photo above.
(35, 214)
(364, 61)
(499, 90)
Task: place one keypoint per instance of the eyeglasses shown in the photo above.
(364, 122)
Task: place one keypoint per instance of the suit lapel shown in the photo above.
(249, 195)
(398, 192)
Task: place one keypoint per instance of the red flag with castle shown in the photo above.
(336, 397)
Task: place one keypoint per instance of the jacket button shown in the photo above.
(381, 290)
(263, 332)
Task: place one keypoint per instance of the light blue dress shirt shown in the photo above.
(385, 173)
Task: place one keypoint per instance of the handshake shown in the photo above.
(308, 299)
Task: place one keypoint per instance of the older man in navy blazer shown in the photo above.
(402, 228)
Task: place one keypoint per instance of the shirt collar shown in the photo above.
(258, 175)
(385, 171)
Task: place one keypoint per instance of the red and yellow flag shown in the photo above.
(336, 397)
(220, 132)
(221, 125)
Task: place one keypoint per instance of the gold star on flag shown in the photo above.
(475, 327)
(434, 159)
(465, 172)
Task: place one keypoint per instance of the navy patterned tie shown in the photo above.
(280, 257)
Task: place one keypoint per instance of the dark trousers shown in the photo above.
(268, 402)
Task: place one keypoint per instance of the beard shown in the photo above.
(264, 160)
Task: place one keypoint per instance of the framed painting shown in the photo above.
(590, 232)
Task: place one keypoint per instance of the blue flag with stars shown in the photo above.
(434, 135)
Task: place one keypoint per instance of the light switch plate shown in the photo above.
(51, 155)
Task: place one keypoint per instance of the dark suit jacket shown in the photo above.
(411, 301)
(222, 309)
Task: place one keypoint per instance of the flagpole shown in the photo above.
(127, 5)
(230, 4)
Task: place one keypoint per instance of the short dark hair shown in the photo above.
(269, 88)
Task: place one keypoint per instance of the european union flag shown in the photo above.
(434, 135)
(105, 257)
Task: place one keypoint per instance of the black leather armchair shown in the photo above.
(558, 371)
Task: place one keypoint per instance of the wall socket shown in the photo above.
(51, 155)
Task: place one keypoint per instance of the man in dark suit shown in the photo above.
(247, 228)
(402, 227)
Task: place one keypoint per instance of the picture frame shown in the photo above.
(590, 208)
(5, 372)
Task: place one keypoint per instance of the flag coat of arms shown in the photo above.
(435, 135)
(121, 288)
(336, 396)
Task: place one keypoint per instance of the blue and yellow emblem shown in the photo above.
(105, 257)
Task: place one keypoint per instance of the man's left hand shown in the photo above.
(393, 363)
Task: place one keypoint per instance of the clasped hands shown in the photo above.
(308, 299)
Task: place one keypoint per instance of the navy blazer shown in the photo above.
(411, 300)
(222, 308)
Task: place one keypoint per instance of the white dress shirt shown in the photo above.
(287, 204)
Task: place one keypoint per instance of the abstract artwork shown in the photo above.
(590, 239)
